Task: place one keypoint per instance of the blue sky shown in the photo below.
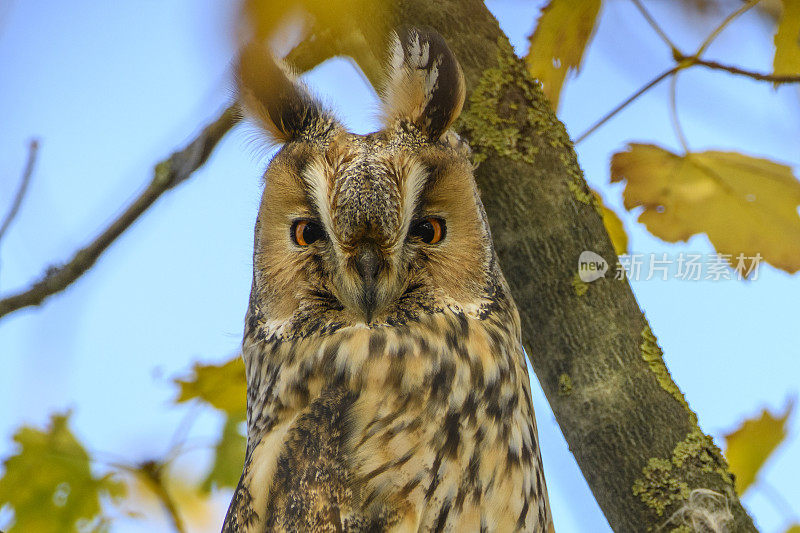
(112, 88)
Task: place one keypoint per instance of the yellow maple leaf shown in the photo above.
(557, 45)
(49, 482)
(750, 445)
(614, 227)
(333, 27)
(794, 529)
(745, 205)
(222, 386)
(787, 40)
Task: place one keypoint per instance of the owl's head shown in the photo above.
(367, 229)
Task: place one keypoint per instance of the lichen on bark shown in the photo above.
(580, 286)
(659, 487)
(507, 111)
(662, 485)
(491, 120)
(564, 385)
(652, 354)
(579, 193)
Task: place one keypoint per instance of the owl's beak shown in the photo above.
(368, 266)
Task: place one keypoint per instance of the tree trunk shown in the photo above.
(627, 423)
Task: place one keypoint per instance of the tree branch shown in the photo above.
(653, 24)
(682, 62)
(724, 24)
(33, 148)
(625, 103)
(168, 173)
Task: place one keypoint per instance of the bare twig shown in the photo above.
(653, 24)
(625, 103)
(169, 173)
(724, 24)
(774, 78)
(683, 62)
(33, 149)
(695, 59)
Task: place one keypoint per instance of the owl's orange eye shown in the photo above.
(429, 230)
(306, 232)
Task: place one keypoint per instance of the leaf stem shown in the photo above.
(673, 113)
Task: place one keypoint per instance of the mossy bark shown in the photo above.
(632, 433)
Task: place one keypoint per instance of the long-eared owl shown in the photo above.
(387, 388)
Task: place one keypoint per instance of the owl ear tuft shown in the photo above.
(425, 85)
(272, 96)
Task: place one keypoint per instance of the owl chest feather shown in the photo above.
(427, 427)
(387, 388)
